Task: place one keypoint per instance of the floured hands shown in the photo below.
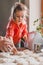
(6, 45)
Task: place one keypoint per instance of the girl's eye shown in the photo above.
(22, 16)
(17, 16)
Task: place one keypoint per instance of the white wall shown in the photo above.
(35, 12)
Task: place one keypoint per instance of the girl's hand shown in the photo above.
(14, 51)
(25, 37)
(6, 45)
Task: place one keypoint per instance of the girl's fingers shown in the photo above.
(14, 50)
(6, 49)
(10, 47)
(2, 49)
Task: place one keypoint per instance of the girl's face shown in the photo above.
(20, 16)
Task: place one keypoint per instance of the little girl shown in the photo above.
(17, 25)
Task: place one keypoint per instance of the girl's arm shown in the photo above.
(25, 33)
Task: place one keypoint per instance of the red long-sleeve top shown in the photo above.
(16, 31)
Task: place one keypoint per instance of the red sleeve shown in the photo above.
(10, 29)
(25, 32)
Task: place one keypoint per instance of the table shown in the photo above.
(25, 57)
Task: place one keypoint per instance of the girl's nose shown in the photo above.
(20, 18)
